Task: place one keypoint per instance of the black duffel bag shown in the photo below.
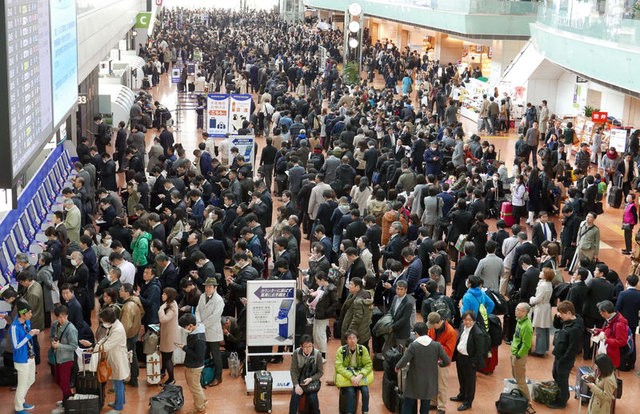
(168, 401)
(512, 402)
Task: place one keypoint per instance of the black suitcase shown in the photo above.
(400, 402)
(343, 402)
(262, 391)
(87, 383)
(336, 329)
(80, 403)
(391, 358)
(389, 393)
(8, 377)
(582, 390)
(615, 197)
(378, 362)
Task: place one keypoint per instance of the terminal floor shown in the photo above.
(231, 396)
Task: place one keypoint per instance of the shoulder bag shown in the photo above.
(104, 369)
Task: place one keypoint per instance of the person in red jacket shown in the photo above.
(615, 329)
(441, 331)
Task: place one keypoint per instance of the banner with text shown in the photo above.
(271, 311)
(217, 114)
(245, 145)
(239, 111)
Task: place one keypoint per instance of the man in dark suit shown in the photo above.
(401, 309)
(628, 304)
(157, 228)
(322, 238)
(530, 278)
(168, 272)
(393, 249)
(356, 268)
(477, 204)
(466, 267)
(413, 272)
(590, 194)
(568, 238)
(374, 234)
(357, 227)
(543, 230)
(525, 247)
(214, 250)
(598, 289)
(578, 290)
(425, 248)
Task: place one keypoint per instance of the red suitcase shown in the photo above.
(490, 362)
(506, 213)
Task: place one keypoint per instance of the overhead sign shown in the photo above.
(217, 114)
(240, 110)
(143, 20)
(599, 117)
(271, 312)
(245, 145)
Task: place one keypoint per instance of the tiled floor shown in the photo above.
(231, 396)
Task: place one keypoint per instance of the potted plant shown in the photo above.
(351, 73)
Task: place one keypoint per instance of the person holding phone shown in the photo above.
(194, 354)
(603, 385)
(23, 355)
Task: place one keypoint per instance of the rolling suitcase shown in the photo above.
(615, 196)
(389, 393)
(378, 362)
(82, 403)
(506, 213)
(582, 390)
(399, 392)
(262, 391)
(343, 403)
(490, 362)
(153, 368)
(87, 384)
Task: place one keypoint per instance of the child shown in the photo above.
(194, 350)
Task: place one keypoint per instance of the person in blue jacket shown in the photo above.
(475, 296)
(23, 355)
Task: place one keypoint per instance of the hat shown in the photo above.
(433, 319)
(23, 307)
(211, 281)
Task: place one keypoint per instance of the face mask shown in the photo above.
(107, 242)
(74, 263)
(199, 265)
(19, 268)
(106, 325)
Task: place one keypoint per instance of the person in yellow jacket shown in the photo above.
(354, 371)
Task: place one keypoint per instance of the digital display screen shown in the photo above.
(29, 78)
(64, 57)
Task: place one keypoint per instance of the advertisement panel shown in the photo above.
(239, 111)
(217, 114)
(271, 312)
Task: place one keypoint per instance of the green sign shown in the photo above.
(142, 20)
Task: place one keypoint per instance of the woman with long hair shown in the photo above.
(361, 193)
(542, 317)
(168, 316)
(603, 385)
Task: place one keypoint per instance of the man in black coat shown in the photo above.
(568, 237)
(157, 231)
(466, 267)
(530, 278)
(374, 234)
(525, 247)
(543, 230)
(370, 157)
(108, 173)
(628, 304)
(578, 290)
(424, 250)
(356, 228)
(168, 272)
(214, 250)
(393, 249)
(357, 267)
(598, 289)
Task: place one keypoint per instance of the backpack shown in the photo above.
(499, 301)
(316, 160)
(441, 306)
(495, 330)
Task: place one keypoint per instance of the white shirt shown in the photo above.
(462, 345)
(128, 271)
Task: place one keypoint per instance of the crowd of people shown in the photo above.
(392, 195)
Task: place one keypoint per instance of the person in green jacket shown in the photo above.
(522, 340)
(354, 371)
(140, 249)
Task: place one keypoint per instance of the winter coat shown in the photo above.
(356, 315)
(45, 278)
(603, 393)
(328, 304)
(196, 348)
(209, 314)
(344, 372)
(168, 316)
(542, 317)
(115, 345)
(422, 377)
(140, 249)
(68, 341)
(131, 316)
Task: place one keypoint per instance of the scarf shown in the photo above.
(612, 155)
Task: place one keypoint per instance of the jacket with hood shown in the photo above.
(422, 377)
(473, 298)
(140, 249)
(195, 348)
(151, 298)
(131, 316)
(356, 316)
(567, 341)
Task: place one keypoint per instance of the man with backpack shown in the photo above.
(522, 340)
(436, 301)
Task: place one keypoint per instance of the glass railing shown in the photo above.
(614, 20)
(469, 6)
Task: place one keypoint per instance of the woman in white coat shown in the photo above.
(542, 318)
(114, 343)
(209, 313)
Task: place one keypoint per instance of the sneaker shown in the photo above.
(28, 407)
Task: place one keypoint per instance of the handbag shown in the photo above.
(51, 356)
(460, 242)
(512, 402)
(618, 393)
(627, 226)
(104, 369)
(308, 370)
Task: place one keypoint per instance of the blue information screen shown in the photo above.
(64, 57)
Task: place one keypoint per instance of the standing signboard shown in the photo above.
(271, 311)
(618, 139)
(245, 145)
(239, 111)
(217, 114)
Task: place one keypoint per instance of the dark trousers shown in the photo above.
(131, 346)
(311, 400)
(466, 378)
(213, 348)
(567, 255)
(533, 149)
(561, 371)
(167, 365)
(36, 349)
(627, 238)
(268, 174)
(518, 212)
(589, 322)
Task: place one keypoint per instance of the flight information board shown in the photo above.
(29, 78)
(64, 57)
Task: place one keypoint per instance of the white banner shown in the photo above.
(618, 139)
(239, 111)
(217, 114)
(271, 312)
(245, 145)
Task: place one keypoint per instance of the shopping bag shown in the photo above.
(87, 361)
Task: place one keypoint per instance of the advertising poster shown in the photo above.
(618, 139)
(239, 110)
(271, 312)
(217, 114)
(245, 145)
(175, 74)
